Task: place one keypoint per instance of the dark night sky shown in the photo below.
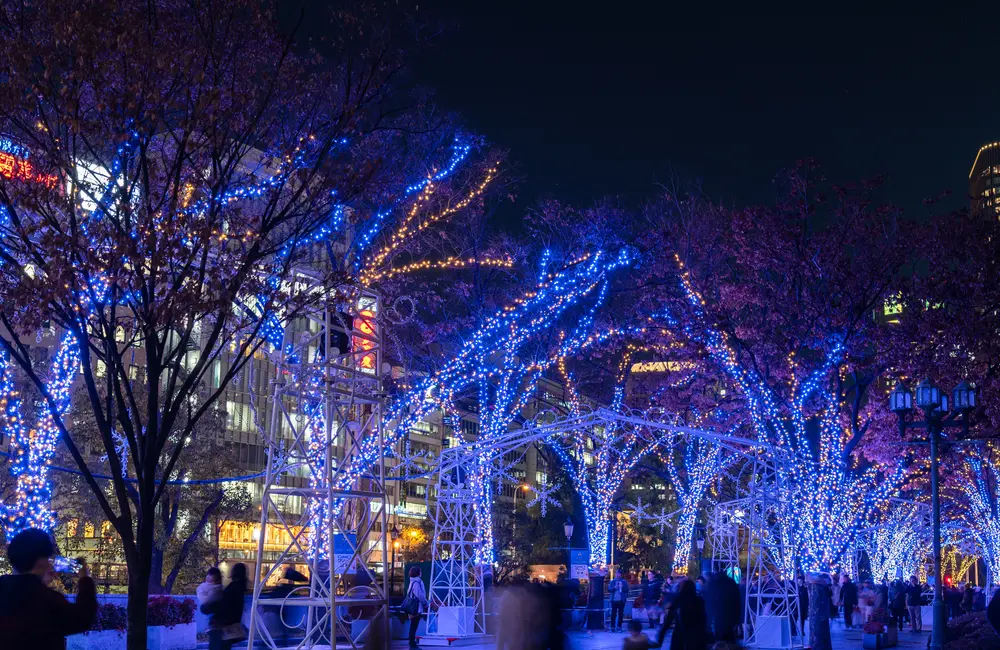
(608, 100)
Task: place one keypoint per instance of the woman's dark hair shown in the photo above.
(27, 547)
(238, 572)
(415, 572)
(215, 573)
(687, 593)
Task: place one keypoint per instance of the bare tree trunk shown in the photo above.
(156, 572)
(138, 601)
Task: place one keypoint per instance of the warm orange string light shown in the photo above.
(450, 263)
(407, 228)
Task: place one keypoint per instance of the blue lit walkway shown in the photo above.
(842, 640)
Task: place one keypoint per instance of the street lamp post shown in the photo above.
(701, 550)
(934, 405)
(568, 530)
(394, 536)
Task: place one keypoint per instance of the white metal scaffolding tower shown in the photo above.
(457, 590)
(318, 516)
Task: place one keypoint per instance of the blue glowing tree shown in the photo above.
(32, 449)
(975, 485)
(501, 362)
(693, 465)
(780, 299)
(159, 205)
(898, 545)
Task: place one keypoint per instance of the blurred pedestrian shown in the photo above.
(688, 618)
(637, 639)
(803, 593)
(849, 600)
(897, 602)
(225, 625)
(617, 594)
(417, 596)
(968, 595)
(913, 602)
(724, 606)
(32, 615)
(210, 590)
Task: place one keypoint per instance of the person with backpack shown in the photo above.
(414, 604)
(617, 594)
(33, 616)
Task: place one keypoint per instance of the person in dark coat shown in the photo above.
(687, 616)
(33, 616)
(803, 593)
(913, 602)
(849, 599)
(993, 611)
(968, 596)
(724, 605)
(227, 613)
(897, 602)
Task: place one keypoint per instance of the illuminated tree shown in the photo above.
(501, 362)
(780, 299)
(975, 484)
(32, 449)
(693, 465)
(166, 170)
(897, 545)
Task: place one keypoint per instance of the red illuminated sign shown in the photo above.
(14, 165)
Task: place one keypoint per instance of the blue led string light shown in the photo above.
(32, 450)
(830, 500)
(496, 362)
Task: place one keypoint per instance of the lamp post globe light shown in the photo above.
(701, 550)
(568, 531)
(934, 404)
(394, 536)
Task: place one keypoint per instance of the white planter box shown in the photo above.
(178, 637)
(108, 640)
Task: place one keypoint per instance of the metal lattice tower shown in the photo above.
(457, 588)
(772, 604)
(330, 365)
(727, 533)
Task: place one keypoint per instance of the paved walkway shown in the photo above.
(842, 640)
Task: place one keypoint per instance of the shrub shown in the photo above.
(167, 611)
(971, 632)
(109, 617)
(163, 610)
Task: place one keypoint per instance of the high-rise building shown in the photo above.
(984, 181)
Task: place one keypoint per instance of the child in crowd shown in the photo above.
(210, 590)
(637, 639)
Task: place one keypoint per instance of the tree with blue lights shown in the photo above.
(780, 299)
(503, 359)
(974, 486)
(32, 448)
(156, 207)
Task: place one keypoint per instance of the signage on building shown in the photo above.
(343, 551)
(579, 561)
(15, 164)
(364, 345)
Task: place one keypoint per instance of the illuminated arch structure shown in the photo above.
(459, 583)
(323, 417)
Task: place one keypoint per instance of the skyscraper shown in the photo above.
(984, 181)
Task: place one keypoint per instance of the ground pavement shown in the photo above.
(842, 640)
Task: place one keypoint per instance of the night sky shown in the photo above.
(610, 100)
